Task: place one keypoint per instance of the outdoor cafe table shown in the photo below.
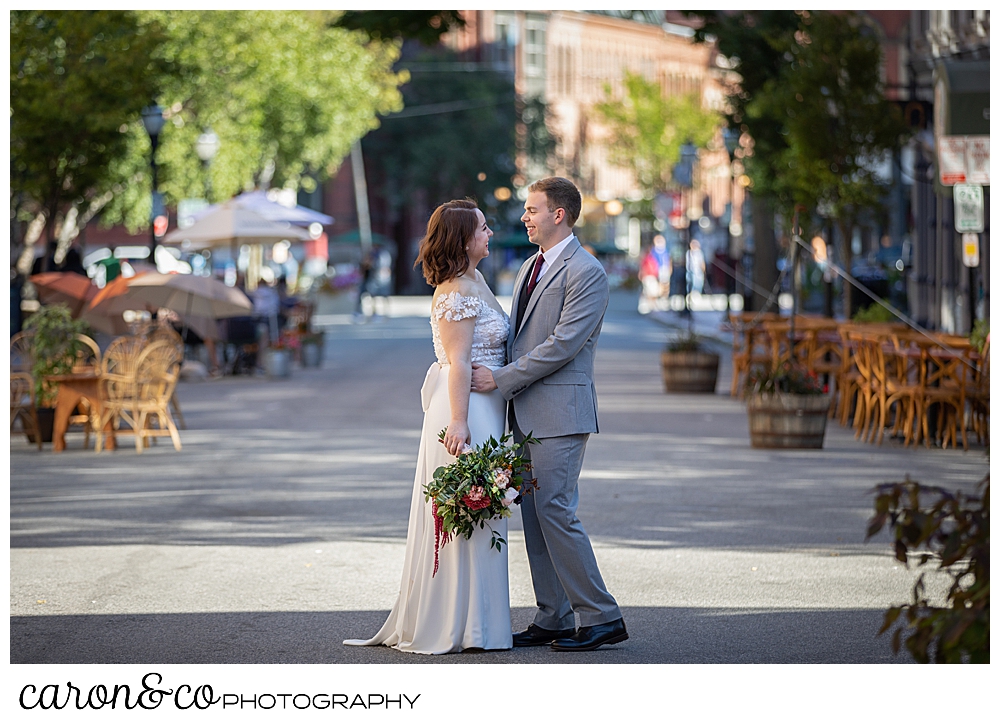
(73, 387)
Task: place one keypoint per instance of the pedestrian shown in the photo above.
(559, 301)
(695, 268)
(654, 273)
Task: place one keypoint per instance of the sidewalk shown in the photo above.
(279, 529)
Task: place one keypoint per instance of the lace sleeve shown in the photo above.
(454, 307)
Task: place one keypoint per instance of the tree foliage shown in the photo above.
(286, 93)
(955, 531)
(77, 79)
(648, 129)
(427, 26)
(810, 95)
(455, 126)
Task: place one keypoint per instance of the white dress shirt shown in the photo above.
(552, 254)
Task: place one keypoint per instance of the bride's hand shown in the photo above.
(457, 437)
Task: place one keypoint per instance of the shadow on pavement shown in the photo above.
(657, 635)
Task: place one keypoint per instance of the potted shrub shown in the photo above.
(786, 407)
(688, 365)
(53, 352)
(311, 351)
(278, 357)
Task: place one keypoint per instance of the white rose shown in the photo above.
(509, 496)
(502, 477)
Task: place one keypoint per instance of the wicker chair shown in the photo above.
(117, 368)
(22, 385)
(22, 405)
(136, 391)
(167, 333)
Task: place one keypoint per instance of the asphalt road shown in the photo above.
(278, 531)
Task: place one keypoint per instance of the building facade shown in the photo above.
(936, 67)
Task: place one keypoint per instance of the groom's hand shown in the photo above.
(482, 379)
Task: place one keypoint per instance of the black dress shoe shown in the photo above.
(588, 638)
(538, 636)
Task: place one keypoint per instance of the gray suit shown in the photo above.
(550, 383)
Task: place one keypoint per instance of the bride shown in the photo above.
(466, 604)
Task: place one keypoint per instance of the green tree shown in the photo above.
(427, 26)
(836, 124)
(286, 93)
(648, 129)
(454, 138)
(455, 126)
(76, 80)
(810, 95)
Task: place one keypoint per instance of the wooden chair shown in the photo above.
(22, 405)
(943, 388)
(167, 333)
(22, 385)
(22, 356)
(751, 346)
(117, 372)
(978, 396)
(142, 397)
(894, 385)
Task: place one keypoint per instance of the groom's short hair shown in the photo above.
(561, 194)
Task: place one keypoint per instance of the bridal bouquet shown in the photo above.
(479, 486)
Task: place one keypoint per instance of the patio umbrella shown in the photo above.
(185, 294)
(69, 288)
(258, 202)
(104, 311)
(230, 225)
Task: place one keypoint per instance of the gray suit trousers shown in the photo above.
(564, 572)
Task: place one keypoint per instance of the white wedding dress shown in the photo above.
(466, 604)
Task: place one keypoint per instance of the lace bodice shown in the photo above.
(489, 339)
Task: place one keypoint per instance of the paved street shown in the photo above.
(279, 529)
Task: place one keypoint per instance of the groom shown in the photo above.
(559, 300)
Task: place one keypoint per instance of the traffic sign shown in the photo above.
(977, 159)
(951, 159)
(968, 208)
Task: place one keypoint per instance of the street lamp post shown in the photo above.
(152, 119)
(206, 147)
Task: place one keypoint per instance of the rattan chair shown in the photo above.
(22, 406)
(167, 333)
(117, 373)
(140, 398)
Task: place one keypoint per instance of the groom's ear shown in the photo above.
(558, 215)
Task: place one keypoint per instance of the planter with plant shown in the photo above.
(311, 348)
(786, 407)
(278, 355)
(689, 365)
(54, 348)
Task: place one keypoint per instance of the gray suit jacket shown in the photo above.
(550, 377)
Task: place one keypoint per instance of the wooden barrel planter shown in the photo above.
(785, 420)
(690, 371)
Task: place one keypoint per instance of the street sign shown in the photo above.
(951, 160)
(968, 208)
(970, 250)
(977, 159)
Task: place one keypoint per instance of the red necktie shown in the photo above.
(539, 260)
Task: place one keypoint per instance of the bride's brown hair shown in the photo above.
(442, 250)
